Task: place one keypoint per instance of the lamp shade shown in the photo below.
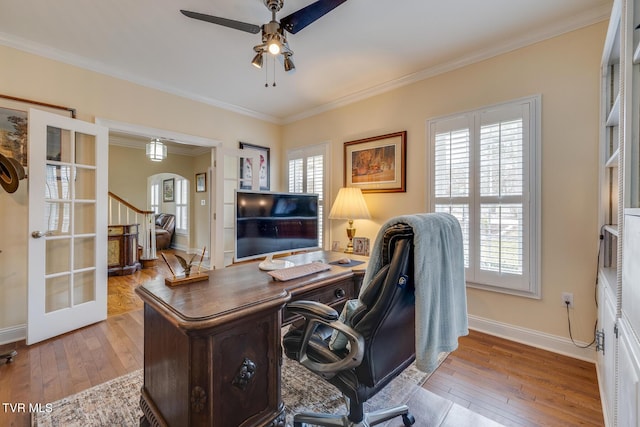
(349, 204)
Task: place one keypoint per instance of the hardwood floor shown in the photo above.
(511, 383)
(518, 385)
(53, 369)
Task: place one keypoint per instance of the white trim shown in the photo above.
(601, 388)
(553, 343)
(151, 132)
(13, 334)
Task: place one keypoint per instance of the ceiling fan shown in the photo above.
(274, 38)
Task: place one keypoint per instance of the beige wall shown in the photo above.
(129, 170)
(565, 71)
(95, 95)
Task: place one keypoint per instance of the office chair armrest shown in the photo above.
(313, 309)
(316, 314)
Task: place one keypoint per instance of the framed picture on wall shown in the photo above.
(246, 166)
(376, 164)
(167, 190)
(201, 182)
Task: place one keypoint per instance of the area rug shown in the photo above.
(117, 402)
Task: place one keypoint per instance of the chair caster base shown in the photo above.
(9, 356)
(408, 420)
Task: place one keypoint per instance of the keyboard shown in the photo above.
(297, 271)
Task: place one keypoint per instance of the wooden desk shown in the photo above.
(212, 353)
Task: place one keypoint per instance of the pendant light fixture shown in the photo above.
(156, 150)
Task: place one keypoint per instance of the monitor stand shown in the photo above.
(274, 264)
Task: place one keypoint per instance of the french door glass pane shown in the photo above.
(57, 218)
(57, 293)
(84, 219)
(58, 144)
(84, 252)
(58, 259)
(85, 149)
(85, 182)
(84, 287)
(58, 178)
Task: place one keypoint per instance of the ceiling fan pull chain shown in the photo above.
(274, 72)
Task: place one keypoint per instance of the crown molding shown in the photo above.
(590, 17)
(55, 54)
(587, 18)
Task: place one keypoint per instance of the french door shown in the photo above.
(67, 278)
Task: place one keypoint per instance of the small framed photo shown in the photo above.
(201, 182)
(263, 170)
(335, 246)
(167, 190)
(361, 246)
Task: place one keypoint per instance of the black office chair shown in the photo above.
(381, 337)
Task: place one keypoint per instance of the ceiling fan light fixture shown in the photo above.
(274, 47)
(274, 32)
(288, 63)
(257, 60)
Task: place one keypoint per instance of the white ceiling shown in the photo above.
(361, 48)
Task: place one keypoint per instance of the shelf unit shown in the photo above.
(618, 338)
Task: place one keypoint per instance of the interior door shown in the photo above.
(67, 279)
(228, 179)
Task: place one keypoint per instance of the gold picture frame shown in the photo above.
(201, 182)
(377, 164)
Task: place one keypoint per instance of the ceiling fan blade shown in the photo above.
(309, 14)
(237, 25)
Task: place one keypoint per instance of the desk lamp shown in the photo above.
(350, 205)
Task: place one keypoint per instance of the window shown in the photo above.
(182, 200)
(306, 174)
(485, 172)
(154, 197)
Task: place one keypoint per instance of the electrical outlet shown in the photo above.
(567, 297)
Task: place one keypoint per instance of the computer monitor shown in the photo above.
(270, 223)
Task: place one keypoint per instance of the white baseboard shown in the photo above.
(554, 343)
(13, 334)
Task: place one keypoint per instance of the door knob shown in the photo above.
(39, 234)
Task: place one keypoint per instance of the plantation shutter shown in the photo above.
(306, 174)
(452, 187)
(484, 166)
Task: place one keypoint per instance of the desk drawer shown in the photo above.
(333, 295)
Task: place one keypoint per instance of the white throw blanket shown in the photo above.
(441, 300)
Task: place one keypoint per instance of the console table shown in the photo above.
(122, 250)
(212, 353)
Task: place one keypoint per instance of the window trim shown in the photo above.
(532, 164)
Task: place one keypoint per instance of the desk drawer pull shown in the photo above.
(339, 293)
(245, 374)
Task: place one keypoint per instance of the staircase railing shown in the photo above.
(122, 212)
